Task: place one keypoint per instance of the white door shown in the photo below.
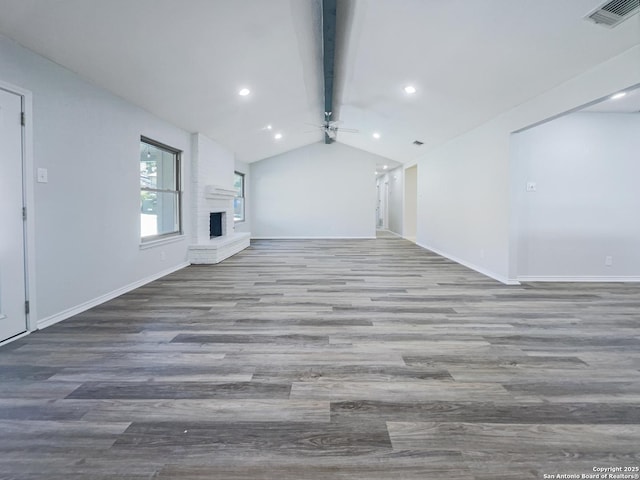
(13, 319)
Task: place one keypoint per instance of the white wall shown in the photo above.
(215, 163)
(315, 191)
(396, 192)
(585, 167)
(464, 194)
(87, 217)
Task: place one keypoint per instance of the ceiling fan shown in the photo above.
(331, 128)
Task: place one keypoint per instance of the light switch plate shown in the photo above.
(43, 175)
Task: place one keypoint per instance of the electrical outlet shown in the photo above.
(608, 260)
(531, 186)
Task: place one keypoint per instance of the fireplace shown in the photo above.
(213, 229)
(217, 223)
(214, 235)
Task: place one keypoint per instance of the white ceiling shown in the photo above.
(185, 61)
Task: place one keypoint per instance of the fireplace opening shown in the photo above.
(216, 224)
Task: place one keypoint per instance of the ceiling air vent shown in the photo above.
(418, 142)
(614, 12)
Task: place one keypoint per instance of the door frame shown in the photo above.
(28, 199)
(385, 201)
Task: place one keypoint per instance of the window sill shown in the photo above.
(162, 241)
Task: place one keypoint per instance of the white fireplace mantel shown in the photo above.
(218, 192)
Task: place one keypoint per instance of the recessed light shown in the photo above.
(410, 89)
(375, 173)
(244, 92)
(277, 136)
(268, 127)
(618, 95)
(385, 167)
(376, 135)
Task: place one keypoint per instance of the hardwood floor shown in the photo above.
(354, 359)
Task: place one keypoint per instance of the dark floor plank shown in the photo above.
(469, 412)
(180, 390)
(206, 338)
(301, 438)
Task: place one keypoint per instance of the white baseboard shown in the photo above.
(391, 232)
(313, 238)
(534, 278)
(482, 270)
(70, 312)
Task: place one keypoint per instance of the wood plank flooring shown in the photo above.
(329, 359)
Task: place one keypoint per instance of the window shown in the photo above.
(160, 194)
(238, 202)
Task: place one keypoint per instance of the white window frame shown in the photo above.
(242, 196)
(177, 190)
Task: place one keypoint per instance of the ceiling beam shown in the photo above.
(328, 56)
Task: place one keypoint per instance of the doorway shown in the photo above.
(411, 203)
(13, 286)
(382, 208)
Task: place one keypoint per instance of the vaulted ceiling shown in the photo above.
(186, 61)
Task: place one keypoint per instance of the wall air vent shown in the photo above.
(418, 142)
(614, 12)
